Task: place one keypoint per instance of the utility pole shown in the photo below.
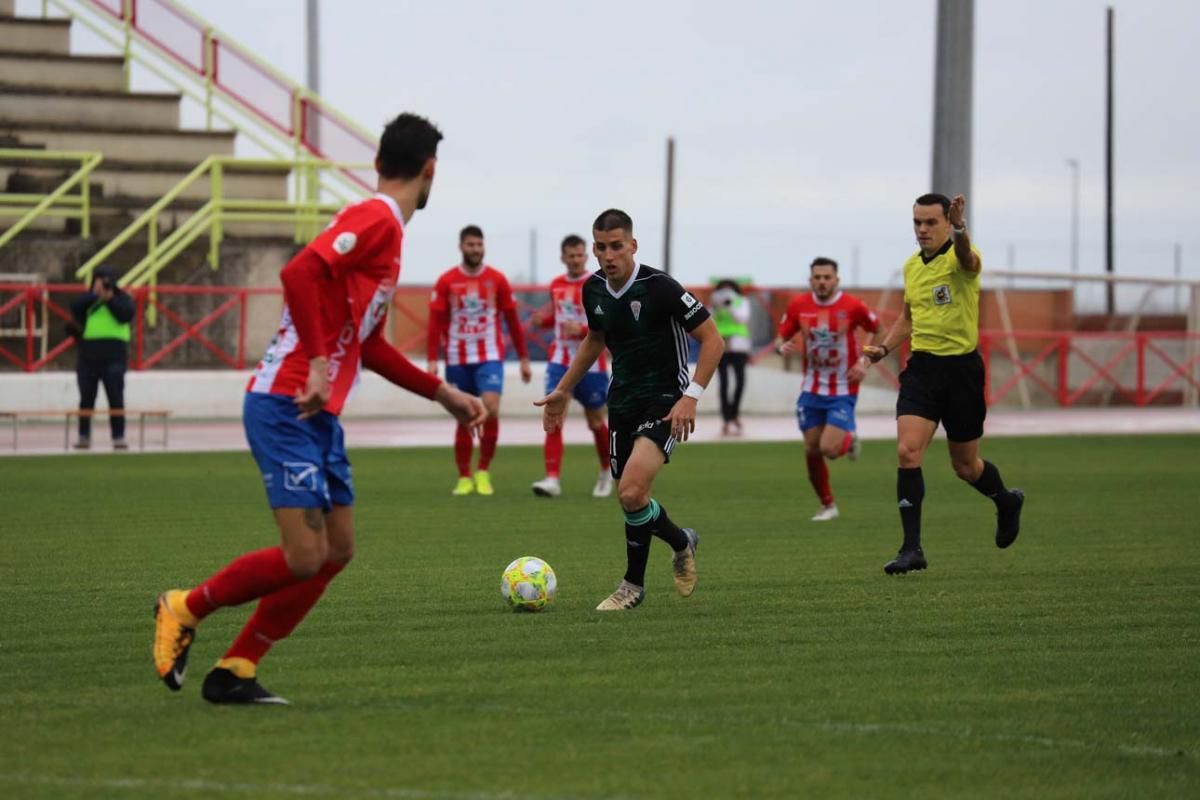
(1108, 164)
(1074, 165)
(670, 204)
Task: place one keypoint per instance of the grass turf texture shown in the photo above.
(1065, 667)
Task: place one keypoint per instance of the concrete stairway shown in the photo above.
(50, 99)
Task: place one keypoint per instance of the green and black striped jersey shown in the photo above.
(645, 325)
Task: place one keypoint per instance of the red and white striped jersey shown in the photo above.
(566, 304)
(475, 305)
(361, 247)
(830, 347)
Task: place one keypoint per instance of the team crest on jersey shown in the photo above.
(344, 243)
(636, 307)
(941, 295)
(821, 336)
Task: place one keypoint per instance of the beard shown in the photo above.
(472, 261)
(423, 198)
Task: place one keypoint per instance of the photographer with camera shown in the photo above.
(731, 313)
(100, 323)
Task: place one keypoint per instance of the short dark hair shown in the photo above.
(470, 230)
(934, 199)
(613, 219)
(407, 143)
(571, 240)
(822, 261)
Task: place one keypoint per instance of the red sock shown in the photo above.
(818, 475)
(553, 451)
(462, 451)
(847, 442)
(487, 442)
(601, 437)
(279, 613)
(247, 577)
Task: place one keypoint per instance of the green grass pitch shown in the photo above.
(1068, 666)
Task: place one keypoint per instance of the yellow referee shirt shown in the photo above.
(944, 300)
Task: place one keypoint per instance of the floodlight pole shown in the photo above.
(952, 99)
(312, 41)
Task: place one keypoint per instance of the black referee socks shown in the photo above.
(991, 485)
(910, 491)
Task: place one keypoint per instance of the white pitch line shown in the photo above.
(296, 789)
(744, 717)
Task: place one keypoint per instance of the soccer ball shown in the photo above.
(528, 584)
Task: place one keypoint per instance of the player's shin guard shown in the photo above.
(279, 613)
(462, 451)
(600, 435)
(553, 453)
(487, 443)
(910, 492)
(818, 476)
(246, 578)
(662, 527)
(637, 543)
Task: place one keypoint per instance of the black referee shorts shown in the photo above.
(624, 428)
(945, 389)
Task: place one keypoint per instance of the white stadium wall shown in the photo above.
(218, 394)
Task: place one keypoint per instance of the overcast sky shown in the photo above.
(802, 128)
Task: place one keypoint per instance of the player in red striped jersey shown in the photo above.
(568, 317)
(465, 312)
(336, 294)
(827, 318)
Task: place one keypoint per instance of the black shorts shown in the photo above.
(624, 428)
(945, 389)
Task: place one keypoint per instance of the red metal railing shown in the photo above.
(245, 80)
(1065, 367)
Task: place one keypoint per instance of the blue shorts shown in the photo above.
(486, 376)
(813, 410)
(592, 389)
(303, 462)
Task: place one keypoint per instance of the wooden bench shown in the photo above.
(142, 414)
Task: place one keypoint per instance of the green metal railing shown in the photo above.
(58, 203)
(305, 216)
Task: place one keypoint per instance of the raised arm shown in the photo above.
(962, 240)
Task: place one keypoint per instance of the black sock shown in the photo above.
(665, 529)
(910, 491)
(637, 544)
(991, 485)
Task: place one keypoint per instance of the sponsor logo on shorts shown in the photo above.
(300, 476)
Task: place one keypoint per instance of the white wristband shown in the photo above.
(694, 390)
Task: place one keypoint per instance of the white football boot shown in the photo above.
(547, 487)
(604, 484)
(826, 513)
